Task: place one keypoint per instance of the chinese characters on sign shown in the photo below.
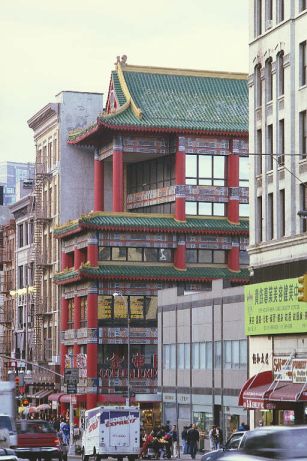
(273, 308)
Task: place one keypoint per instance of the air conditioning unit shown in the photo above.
(268, 24)
(281, 160)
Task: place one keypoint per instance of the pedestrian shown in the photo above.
(184, 444)
(65, 433)
(174, 435)
(193, 439)
(214, 438)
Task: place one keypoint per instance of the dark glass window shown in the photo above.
(205, 256)
(152, 174)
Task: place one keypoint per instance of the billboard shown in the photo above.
(273, 308)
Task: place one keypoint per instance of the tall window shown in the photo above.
(303, 134)
(258, 17)
(20, 235)
(259, 152)
(243, 171)
(280, 10)
(20, 277)
(268, 80)
(303, 63)
(83, 311)
(270, 147)
(270, 226)
(258, 86)
(71, 308)
(303, 205)
(281, 73)
(282, 206)
(302, 5)
(281, 142)
(268, 14)
(259, 220)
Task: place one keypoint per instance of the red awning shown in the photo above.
(288, 392)
(55, 397)
(262, 381)
(261, 392)
(76, 398)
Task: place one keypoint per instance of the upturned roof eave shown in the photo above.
(102, 125)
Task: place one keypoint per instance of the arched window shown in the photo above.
(280, 73)
(258, 86)
(268, 80)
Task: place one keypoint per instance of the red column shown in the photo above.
(78, 258)
(77, 315)
(180, 180)
(64, 324)
(118, 176)
(65, 259)
(180, 257)
(92, 254)
(98, 184)
(234, 259)
(92, 350)
(233, 186)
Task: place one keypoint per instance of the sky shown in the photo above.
(48, 46)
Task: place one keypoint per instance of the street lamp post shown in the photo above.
(128, 334)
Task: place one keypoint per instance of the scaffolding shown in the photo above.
(41, 217)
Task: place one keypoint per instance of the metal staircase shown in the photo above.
(40, 218)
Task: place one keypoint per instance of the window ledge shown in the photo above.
(302, 87)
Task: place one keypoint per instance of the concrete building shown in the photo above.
(170, 206)
(59, 196)
(276, 321)
(11, 173)
(202, 357)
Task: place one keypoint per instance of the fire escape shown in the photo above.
(41, 260)
(7, 283)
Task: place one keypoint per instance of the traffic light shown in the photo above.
(17, 382)
(302, 288)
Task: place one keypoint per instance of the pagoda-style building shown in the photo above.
(170, 209)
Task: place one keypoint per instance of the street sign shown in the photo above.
(71, 388)
(71, 375)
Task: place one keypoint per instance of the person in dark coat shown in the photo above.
(192, 440)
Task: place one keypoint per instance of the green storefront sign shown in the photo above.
(273, 308)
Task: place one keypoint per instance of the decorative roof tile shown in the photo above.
(152, 272)
(150, 223)
(170, 99)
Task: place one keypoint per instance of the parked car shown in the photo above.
(273, 442)
(233, 443)
(38, 439)
(7, 454)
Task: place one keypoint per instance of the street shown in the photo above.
(183, 457)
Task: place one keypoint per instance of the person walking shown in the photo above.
(184, 444)
(174, 435)
(192, 440)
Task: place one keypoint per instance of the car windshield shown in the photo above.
(234, 442)
(35, 427)
(5, 423)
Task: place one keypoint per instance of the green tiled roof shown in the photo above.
(151, 223)
(153, 273)
(160, 272)
(178, 100)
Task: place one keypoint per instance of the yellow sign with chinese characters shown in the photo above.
(273, 308)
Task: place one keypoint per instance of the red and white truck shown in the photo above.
(111, 432)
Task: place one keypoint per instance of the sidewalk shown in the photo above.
(182, 457)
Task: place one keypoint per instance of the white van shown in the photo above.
(8, 411)
(111, 432)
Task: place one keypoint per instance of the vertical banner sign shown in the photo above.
(273, 308)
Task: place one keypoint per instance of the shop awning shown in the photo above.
(76, 398)
(254, 391)
(262, 392)
(43, 393)
(55, 397)
(289, 392)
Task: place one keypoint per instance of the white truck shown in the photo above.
(8, 413)
(111, 432)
